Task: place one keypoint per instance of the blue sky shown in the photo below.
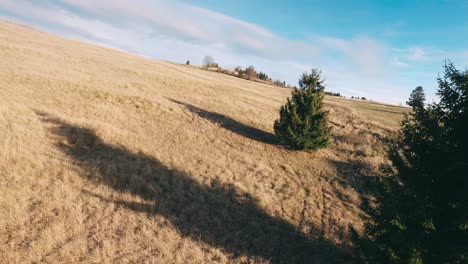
(377, 49)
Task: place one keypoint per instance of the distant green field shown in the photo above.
(389, 115)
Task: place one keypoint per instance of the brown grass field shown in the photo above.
(108, 157)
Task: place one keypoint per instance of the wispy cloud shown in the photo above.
(176, 20)
(366, 54)
(420, 56)
(417, 54)
(176, 31)
(399, 64)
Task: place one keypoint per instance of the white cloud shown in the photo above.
(417, 54)
(366, 54)
(370, 55)
(427, 59)
(399, 64)
(175, 31)
(336, 43)
(196, 25)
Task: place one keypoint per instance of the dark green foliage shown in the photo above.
(421, 212)
(417, 98)
(333, 94)
(302, 123)
(263, 76)
(187, 63)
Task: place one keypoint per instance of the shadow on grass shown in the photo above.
(217, 214)
(355, 175)
(232, 125)
(382, 110)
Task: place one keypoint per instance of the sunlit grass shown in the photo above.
(104, 154)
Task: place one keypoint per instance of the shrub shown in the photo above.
(226, 71)
(302, 123)
(279, 83)
(187, 63)
(421, 209)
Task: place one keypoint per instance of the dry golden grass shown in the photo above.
(107, 157)
(383, 114)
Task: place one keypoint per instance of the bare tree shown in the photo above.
(207, 62)
(280, 83)
(251, 73)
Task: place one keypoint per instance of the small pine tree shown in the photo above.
(262, 76)
(421, 209)
(417, 98)
(187, 63)
(302, 123)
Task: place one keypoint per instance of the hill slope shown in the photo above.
(107, 157)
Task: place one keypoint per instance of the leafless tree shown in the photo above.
(251, 73)
(207, 62)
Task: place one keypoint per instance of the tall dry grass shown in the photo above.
(107, 157)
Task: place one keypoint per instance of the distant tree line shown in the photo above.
(357, 97)
(333, 94)
(263, 76)
(249, 73)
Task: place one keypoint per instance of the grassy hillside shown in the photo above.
(107, 157)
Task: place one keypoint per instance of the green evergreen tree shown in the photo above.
(263, 76)
(417, 98)
(302, 123)
(421, 209)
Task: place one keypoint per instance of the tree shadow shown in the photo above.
(217, 214)
(355, 175)
(382, 110)
(232, 125)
